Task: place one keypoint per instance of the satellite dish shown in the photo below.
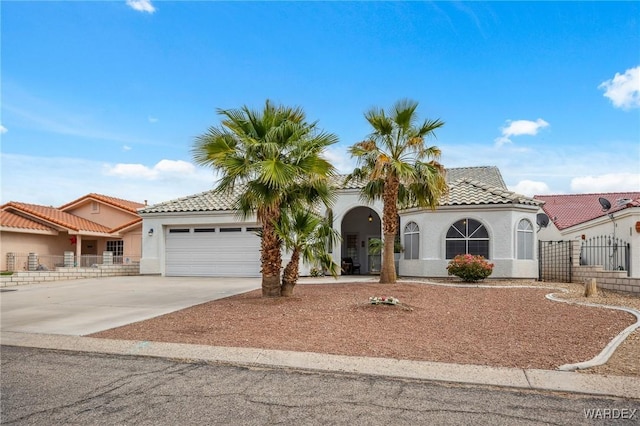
(542, 220)
(606, 205)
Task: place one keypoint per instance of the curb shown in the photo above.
(475, 375)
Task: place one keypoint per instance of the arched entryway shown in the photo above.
(359, 226)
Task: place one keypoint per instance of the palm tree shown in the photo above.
(399, 168)
(273, 158)
(305, 234)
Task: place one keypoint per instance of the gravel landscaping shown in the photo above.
(510, 327)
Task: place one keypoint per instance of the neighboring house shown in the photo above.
(202, 235)
(87, 227)
(606, 225)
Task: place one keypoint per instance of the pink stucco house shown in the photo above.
(86, 227)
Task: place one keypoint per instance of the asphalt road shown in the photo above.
(42, 387)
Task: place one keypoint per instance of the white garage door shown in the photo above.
(212, 251)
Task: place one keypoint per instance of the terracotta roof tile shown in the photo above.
(56, 216)
(12, 220)
(126, 225)
(570, 210)
(130, 206)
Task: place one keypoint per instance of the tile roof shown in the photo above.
(126, 225)
(127, 205)
(12, 220)
(574, 209)
(468, 185)
(202, 202)
(467, 191)
(489, 175)
(56, 216)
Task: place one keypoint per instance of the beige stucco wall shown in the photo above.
(56, 245)
(23, 243)
(106, 215)
(133, 244)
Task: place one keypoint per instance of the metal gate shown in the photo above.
(554, 261)
(611, 253)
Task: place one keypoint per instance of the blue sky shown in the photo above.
(108, 96)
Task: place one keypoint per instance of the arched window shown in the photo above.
(467, 236)
(524, 240)
(411, 241)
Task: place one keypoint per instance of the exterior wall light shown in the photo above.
(151, 232)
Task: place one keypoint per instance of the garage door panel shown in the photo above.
(213, 254)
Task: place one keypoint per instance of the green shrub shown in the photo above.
(316, 272)
(469, 267)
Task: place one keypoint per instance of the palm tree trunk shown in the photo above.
(290, 274)
(388, 270)
(271, 259)
(389, 225)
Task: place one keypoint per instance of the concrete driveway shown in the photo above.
(82, 307)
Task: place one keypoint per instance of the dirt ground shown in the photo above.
(510, 327)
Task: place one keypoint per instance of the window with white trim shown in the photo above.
(116, 247)
(467, 236)
(524, 240)
(411, 241)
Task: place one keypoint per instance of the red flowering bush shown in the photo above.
(469, 267)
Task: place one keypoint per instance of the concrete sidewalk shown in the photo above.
(57, 315)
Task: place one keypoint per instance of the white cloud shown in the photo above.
(171, 166)
(556, 166)
(609, 182)
(340, 159)
(3, 129)
(531, 188)
(23, 177)
(132, 171)
(623, 89)
(152, 119)
(163, 169)
(519, 127)
(126, 148)
(141, 5)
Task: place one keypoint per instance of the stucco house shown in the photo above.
(605, 225)
(201, 234)
(88, 227)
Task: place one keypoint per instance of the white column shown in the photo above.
(78, 250)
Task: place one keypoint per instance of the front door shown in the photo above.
(89, 253)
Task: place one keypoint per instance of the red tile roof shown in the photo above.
(12, 220)
(34, 216)
(127, 205)
(570, 210)
(55, 216)
(126, 225)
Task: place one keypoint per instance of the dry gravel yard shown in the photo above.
(511, 327)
